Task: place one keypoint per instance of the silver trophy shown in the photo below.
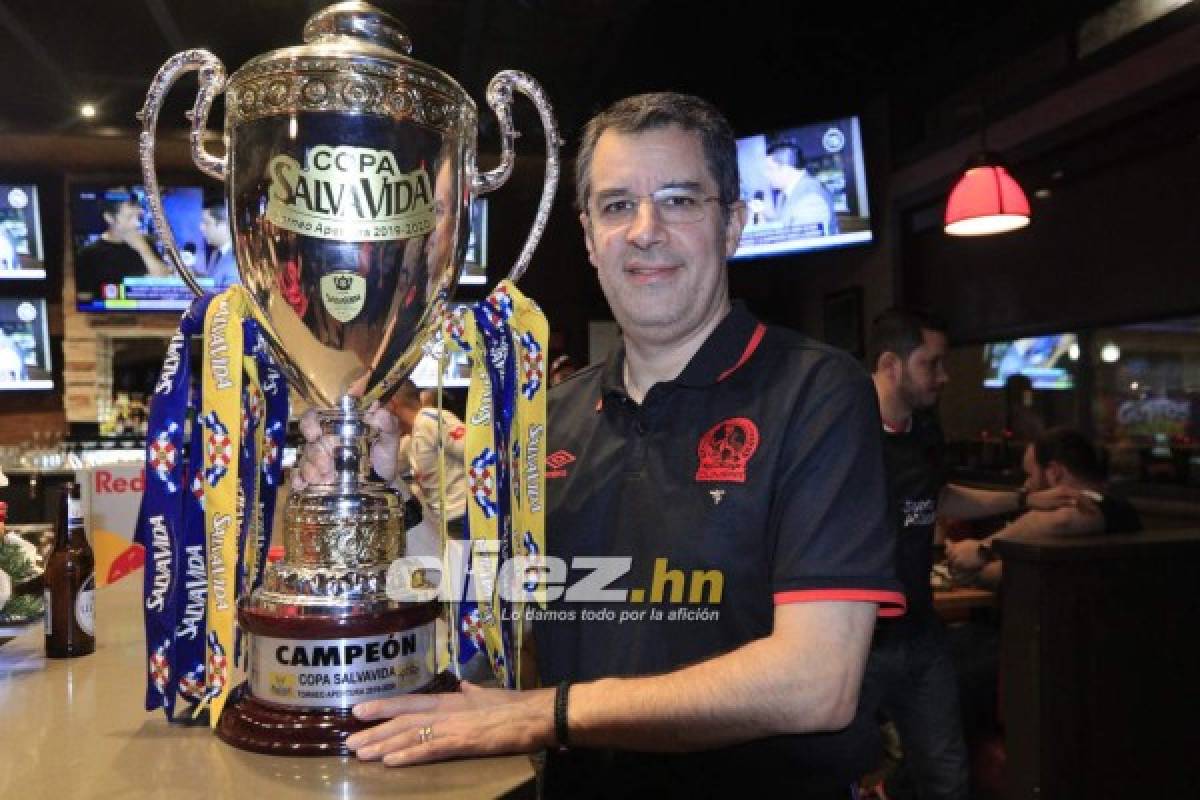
(349, 170)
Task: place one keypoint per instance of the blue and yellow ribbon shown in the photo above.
(505, 335)
(216, 514)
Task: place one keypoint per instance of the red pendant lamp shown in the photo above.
(986, 200)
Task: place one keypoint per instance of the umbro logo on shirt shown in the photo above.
(556, 463)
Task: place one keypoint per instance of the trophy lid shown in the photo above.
(352, 33)
(358, 21)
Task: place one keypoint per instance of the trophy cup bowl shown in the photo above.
(349, 171)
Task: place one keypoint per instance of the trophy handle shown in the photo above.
(212, 82)
(500, 98)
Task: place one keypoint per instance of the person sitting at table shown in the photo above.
(1060, 457)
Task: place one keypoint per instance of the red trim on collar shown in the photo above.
(891, 604)
(751, 346)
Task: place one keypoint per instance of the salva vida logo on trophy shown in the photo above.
(349, 194)
(349, 172)
(343, 294)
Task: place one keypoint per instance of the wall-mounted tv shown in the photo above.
(24, 344)
(21, 253)
(119, 260)
(1047, 361)
(805, 188)
(456, 376)
(474, 270)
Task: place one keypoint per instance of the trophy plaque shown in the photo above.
(349, 170)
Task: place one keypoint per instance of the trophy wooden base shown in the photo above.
(249, 724)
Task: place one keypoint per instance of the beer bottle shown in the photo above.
(70, 583)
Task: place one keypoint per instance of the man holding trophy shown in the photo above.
(784, 497)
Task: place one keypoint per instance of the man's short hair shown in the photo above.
(110, 202)
(900, 331)
(657, 110)
(408, 395)
(1072, 449)
(787, 152)
(217, 210)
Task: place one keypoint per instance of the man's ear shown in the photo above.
(889, 364)
(1055, 473)
(733, 228)
(585, 222)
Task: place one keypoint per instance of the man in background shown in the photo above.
(419, 419)
(220, 264)
(800, 198)
(1060, 457)
(122, 251)
(910, 673)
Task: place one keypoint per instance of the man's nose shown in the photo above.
(646, 227)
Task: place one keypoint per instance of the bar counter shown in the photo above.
(75, 728)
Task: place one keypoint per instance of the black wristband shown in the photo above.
(560, 714)
(1022, 499)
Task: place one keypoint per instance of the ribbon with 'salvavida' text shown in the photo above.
(505, 336)
(207, 523)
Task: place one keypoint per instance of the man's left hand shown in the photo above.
(438, 727)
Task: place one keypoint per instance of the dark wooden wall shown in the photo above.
(1099, 658)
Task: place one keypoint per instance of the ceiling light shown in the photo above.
(1110, 353)
(87, 111)
(986, 200)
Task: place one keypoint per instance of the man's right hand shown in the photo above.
(316, 461)
(964, 558)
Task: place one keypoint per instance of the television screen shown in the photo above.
(21, 254)
(1048, 361)
(475, 265)
(805, 188)
(456, 376)
(119, 260)
(24, 344)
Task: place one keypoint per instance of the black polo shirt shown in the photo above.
(103, 262)
(915, 462)
(753, 479)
